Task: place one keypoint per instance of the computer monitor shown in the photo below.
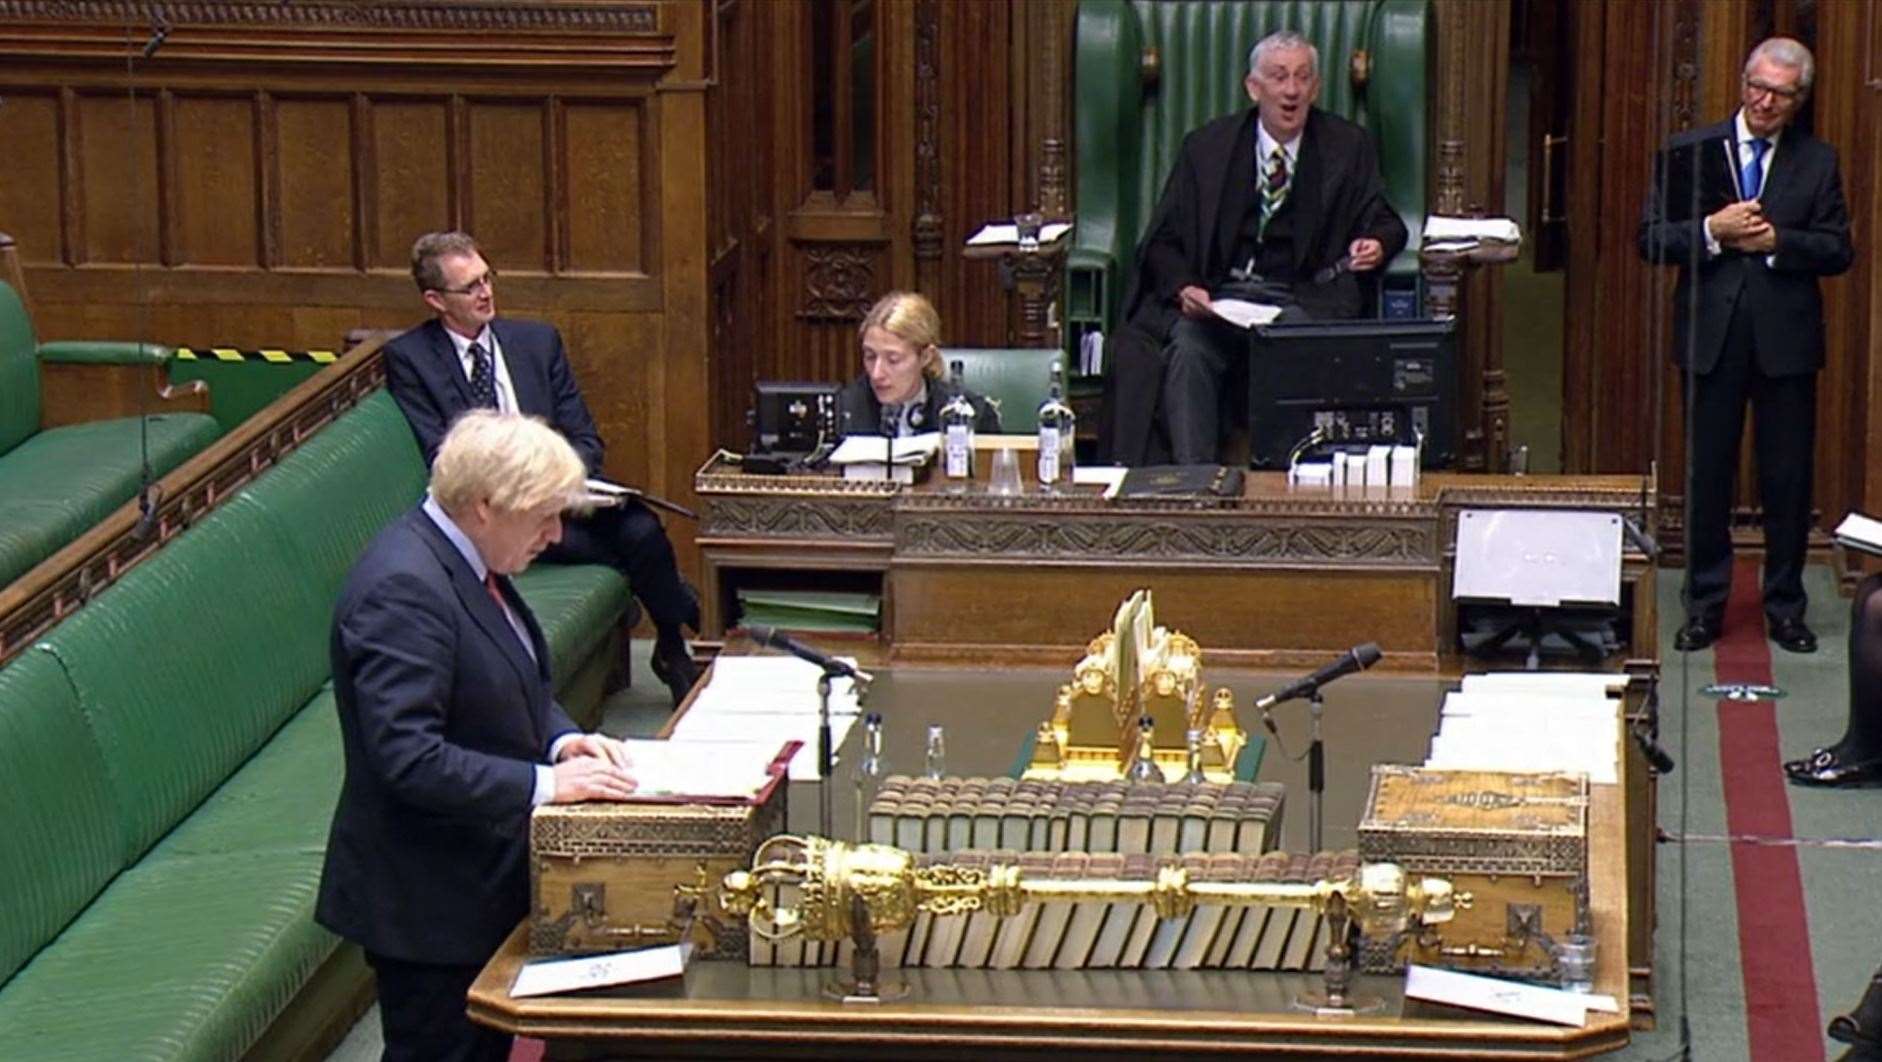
(1362, 382)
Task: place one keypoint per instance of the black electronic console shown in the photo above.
(1364, 382)
(790, 417)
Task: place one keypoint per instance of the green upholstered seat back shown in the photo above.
(187, 664)
(19, 371)
(328, 498)
(61, 841)
(1015, 379)
(1127, 135)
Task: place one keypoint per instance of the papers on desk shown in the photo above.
(993, 235)
(1110, 477)
(766, 701)
(550, 977)
(1531, 721)
(1463, 234)
(873, 449)
(701, 770)
(1504, 997)
(1244, 314)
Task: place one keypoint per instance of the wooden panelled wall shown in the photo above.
(1644, 71)
(258, 180)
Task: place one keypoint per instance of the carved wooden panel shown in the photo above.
(413, 189)
(29, 197)
(216, 204)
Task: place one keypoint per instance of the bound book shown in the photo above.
(1182, 481)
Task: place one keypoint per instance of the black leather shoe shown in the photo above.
(1698, 633)
(673, 664)
(1829, 769)
(1862, 1026)
(1793, 635)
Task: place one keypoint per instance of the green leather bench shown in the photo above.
(1129, 124)
(170, 759)
(1014, 380)
(57, 482)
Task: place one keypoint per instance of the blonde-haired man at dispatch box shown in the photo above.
(451, 732)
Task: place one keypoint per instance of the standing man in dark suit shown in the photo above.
(451, 732)
(1757, 331)
(1282, 203)
(466, 357)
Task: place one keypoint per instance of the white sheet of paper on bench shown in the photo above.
(771, 684)
(1551, 682)
(1538, 557)
(868, 448)
(1497, 996)
(997, 234)
(1244, 314)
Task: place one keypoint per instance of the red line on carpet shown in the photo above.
(1781, 1016)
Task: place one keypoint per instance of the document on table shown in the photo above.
(997, 234)
(862, 449)
(550, 977)
(683, 767)
(773, 730)
(1504, 997)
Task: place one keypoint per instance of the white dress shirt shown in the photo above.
(1737, 153)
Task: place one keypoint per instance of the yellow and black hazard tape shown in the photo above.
(279, 357)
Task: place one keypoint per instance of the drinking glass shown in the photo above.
(1004, 479)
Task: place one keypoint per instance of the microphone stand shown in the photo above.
(826, 752)
(1316, 766)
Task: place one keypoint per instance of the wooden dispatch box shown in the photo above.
(1518, 843)
(606, 876)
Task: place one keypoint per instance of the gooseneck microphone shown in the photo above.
(773, 638)
(1358, 658)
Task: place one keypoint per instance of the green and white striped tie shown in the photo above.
(1274, 187)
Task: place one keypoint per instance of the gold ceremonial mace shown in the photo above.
(859, 891)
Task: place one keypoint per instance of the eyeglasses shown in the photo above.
(483, 283)
(1759, 89)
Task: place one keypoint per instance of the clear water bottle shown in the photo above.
(1144, 765)
(957, 434)
(935, 763)
(1195, 775)
(869, 773)
(1057, 428)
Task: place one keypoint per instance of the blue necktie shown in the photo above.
(1751, 178)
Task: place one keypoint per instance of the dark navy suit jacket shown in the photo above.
(443, 718)
(1803, 199)
(427, 380)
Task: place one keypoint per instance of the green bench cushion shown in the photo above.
(187, 666)
(60, 842)
(577, 605)
(59, 483)
(1014, 379)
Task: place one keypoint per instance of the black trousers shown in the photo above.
(1784, 426)
(1201, 356)
(421, 1013)
(631, 540)
(1862, 738)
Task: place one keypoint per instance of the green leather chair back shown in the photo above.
(19, 371)
(1014, 379)
(1126, 135)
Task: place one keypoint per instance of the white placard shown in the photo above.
(1503, 997)
(552, 976)
(1538, 557)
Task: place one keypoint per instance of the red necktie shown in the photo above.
(496, 593)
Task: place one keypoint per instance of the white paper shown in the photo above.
(1106, 476)
(1497, 996)
(767, 729)
(552, 976)
(680, 767)
(1441, 229)
(870, 449)
(1244, 314)
(1862, 530)
(995, 234)
(1575, 682)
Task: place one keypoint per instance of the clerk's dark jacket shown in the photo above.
(443, 717)
(1802, 198)
(858, 412)
(1197, 235)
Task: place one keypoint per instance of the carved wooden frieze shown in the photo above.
(796, 516)
(1234, 537)
(839, 282)
(334, 14)
(927, 228)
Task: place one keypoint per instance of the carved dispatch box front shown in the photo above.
(607, 876)
(1518, 843)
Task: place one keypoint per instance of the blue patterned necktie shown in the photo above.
(483, 378)
(1274, 188)
(1751, 177)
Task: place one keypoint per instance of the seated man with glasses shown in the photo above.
(466, 357)
(1750, 257)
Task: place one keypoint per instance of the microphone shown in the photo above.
(147, 501)
(772, 638)
(1358, 658)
